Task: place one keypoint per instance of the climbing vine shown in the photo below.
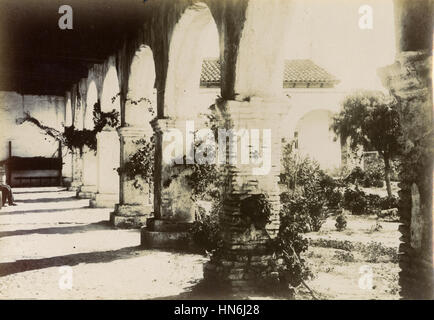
(75, 139)
(141, 163)
(139, 167)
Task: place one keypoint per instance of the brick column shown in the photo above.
(243, 262)
(135, 204)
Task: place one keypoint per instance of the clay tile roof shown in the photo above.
(295, 71)
(210, 72)
(305, 71)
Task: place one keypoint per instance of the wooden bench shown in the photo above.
(40, 178)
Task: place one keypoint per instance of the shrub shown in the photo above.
(386, 203)
(205, 233)
(356, 176)
(374, 171)
(341, 222)
(343, 256)
(355, 201)
(331, 188)
(206, 181)
(307, 211)
(372, 177)
(310, 190)
(257, 209)
(289, 242)
(373, 251)
(358, 202)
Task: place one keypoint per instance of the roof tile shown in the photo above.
(295, 71)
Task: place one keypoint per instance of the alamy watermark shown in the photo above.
(66, 278)
(242, 146)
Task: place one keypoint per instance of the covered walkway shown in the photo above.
(50, 229)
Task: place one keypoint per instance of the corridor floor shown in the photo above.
(53, 246)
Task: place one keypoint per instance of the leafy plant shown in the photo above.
(374, 173)
(355, 201)
(310, 189)
(373, 177)
(341, 222)
(257, 208)
(373, 251)
(290, 243)
(206, 233)
(344, 256)
(141, 163)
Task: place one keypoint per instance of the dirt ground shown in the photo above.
(53, 246)
(339, 260)
(49, 230)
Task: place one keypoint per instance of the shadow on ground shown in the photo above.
(41, 211)
(40, 191)
(101, 225)
(48, 200)
(18, 266)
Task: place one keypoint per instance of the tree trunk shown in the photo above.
(387, 175)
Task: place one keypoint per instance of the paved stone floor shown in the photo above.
(51, 235)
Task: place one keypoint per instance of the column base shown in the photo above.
(166, 234)
(104, 200)
(130, 216)
(244, 273)
(74, 186)
(87, 192)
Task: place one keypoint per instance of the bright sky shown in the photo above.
(327, 31)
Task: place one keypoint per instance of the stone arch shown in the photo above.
(91, 99)
(67, 167)
(110, 89)
(186, 54)
(315, 139)
(68, 111)
(302, 106)
(140, 108)
(141, 86)
(90, 164)
(260, 58)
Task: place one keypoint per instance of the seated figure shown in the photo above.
(6, 192)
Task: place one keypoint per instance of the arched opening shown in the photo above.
(140, 109)
(78, 109)
(91, 99)
(194, 39)
(141, 98)
(110, 90)
(68, 112)
(108, 148)
(314, 138)
(67, 155)
(90, 176)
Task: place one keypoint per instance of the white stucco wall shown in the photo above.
(316, 140)
(309, 113)
(27, 139)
